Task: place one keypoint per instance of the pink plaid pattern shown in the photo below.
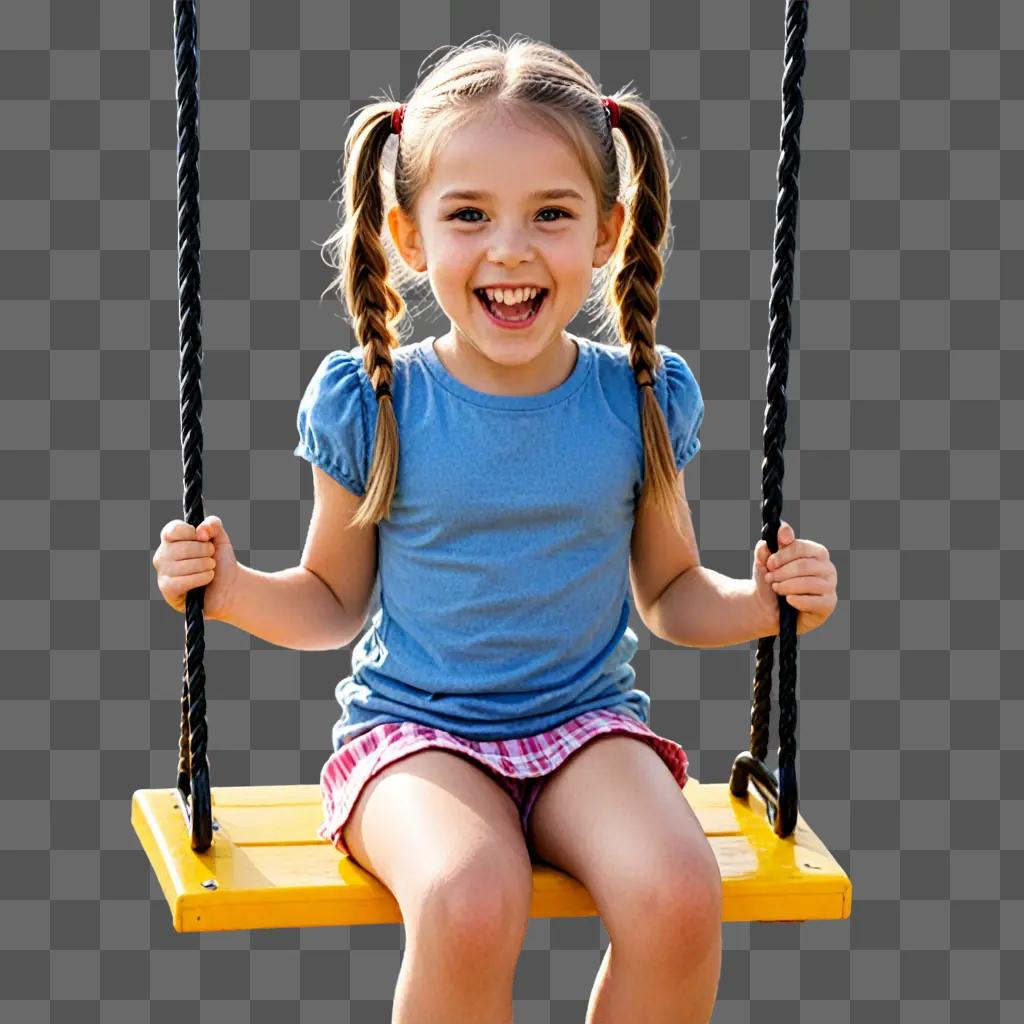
(520, 765)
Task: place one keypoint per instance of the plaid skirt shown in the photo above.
(519, 765)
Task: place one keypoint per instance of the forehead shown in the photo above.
(510, 161)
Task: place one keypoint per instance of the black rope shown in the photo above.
(779, 793)
(193, 782)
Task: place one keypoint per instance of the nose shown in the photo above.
(510, 245)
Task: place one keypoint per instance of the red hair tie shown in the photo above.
(613, 110)
(397, 116)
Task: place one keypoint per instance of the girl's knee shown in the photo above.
(672, 906)
(479, 907)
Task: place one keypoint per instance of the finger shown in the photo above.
(183, 550)
(781, 567)
(808, 585)
(809, 554)
(795, 567)
(798, 549)
(796, 580)
(185, 583)
(213, 526)
(170, 530)
(813, 549)
(811, 603)
(190, 566)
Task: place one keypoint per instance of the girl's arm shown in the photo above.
(703, 608)
(292, 608)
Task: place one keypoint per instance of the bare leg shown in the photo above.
(445, 838)
(442, 982)
(642, 992)
(652, 875)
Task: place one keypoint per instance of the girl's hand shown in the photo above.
(196, 557)
(802, 572)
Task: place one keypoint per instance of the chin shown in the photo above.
(508, 345)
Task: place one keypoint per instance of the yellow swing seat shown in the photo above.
(268, 868)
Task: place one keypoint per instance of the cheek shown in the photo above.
(450, 266)
(569, 253)
(572, 265)
(456, 260)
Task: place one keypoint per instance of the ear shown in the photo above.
(406, 237)
(608, 233)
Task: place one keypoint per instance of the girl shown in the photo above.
(511, 473)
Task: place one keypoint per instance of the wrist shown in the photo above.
(223, 609)
(769, 615)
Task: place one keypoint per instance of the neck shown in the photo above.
(471, 366)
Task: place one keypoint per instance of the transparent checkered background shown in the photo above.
(903, 456)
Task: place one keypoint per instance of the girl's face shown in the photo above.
(480, 223)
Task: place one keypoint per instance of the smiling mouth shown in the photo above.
(499, 310)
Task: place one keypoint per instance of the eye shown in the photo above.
(457, 215)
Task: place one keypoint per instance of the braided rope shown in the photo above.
(193, 782)
(780, 794)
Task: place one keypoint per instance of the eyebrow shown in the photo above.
(549, 193)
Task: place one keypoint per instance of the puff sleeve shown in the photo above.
(332, 421)
(684, 406)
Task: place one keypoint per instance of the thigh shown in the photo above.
(614, 817)
(436, 819)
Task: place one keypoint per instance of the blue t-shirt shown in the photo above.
(502, 597)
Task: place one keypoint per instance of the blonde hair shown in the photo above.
(549, 86)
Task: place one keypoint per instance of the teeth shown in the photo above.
(509, 296)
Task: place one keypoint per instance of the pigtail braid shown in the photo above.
(633, 291)
(374, 304)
